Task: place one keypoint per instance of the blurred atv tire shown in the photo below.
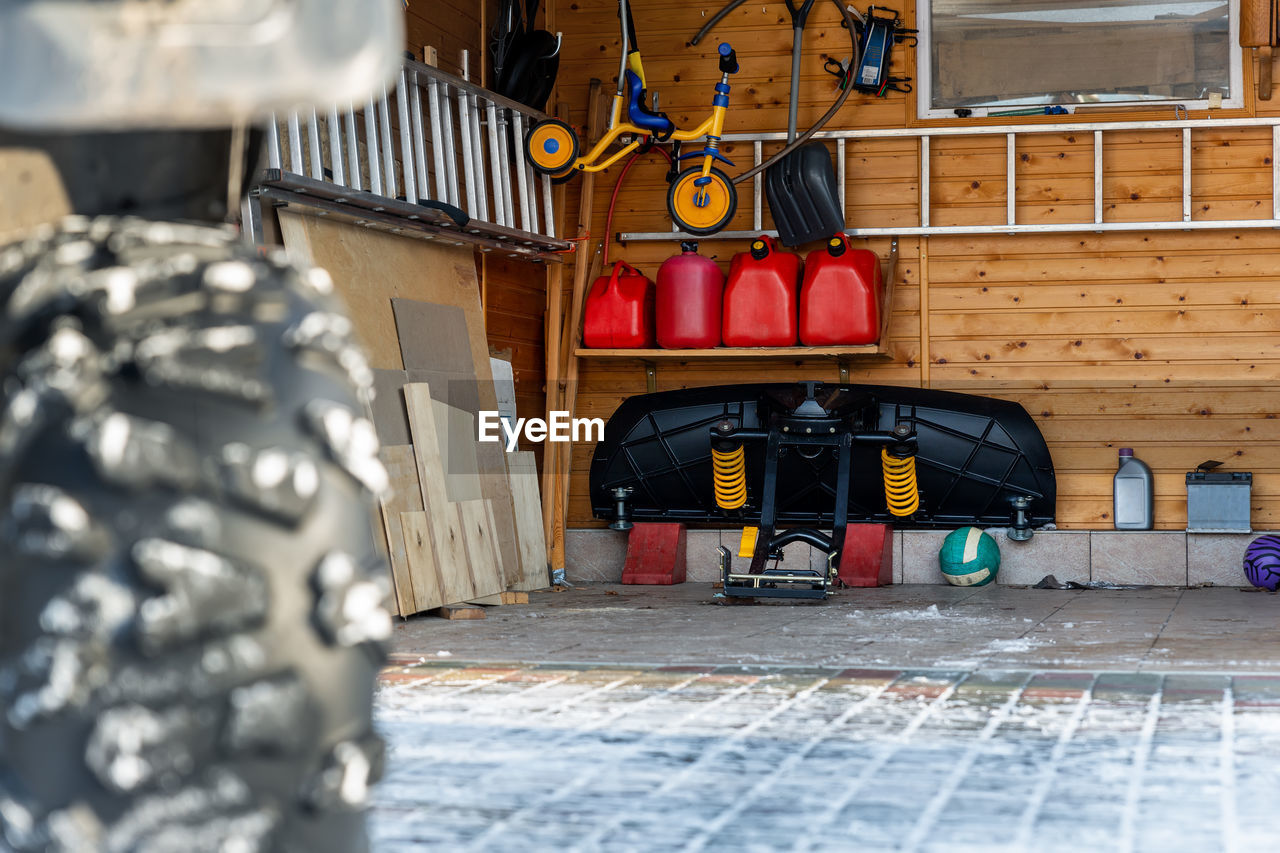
(191, 600)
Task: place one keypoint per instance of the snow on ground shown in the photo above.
(508, 757)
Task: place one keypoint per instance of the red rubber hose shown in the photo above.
(613, 200)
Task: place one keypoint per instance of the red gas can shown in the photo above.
(840, 297)
(619, 311)
(690, 292)
(760, 298)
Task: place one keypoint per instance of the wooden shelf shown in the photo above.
(732, 352)
(842, 355)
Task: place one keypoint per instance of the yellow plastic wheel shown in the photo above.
(699, 207)
(551, 146)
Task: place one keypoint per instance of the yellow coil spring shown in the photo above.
(900, 490)
(730, 470)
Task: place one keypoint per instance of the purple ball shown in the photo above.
(1262, 562)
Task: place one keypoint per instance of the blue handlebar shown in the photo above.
(728, 59)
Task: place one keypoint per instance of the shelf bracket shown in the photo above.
(651, 376)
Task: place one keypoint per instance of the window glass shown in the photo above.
(988, 53)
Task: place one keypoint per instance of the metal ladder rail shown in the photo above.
(458, 120)
(923, 136)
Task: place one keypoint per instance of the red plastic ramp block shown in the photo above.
(867, 559)
(655, 554)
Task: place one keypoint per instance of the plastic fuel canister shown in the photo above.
(619, 313)
(761, 297)
(690, 296)
(840, 297)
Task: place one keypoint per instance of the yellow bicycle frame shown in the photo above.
(713, 126)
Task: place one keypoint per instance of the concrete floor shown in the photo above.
(1160, 629)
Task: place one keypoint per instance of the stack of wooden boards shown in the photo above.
(442, 535)
(460, 526)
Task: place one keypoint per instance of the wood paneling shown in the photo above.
(1164, 341)
(515, 304)
(450, 26)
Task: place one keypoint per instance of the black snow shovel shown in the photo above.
(802, 191)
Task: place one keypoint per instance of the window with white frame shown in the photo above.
(992, 56)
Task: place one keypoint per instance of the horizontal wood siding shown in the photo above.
(1166, 342)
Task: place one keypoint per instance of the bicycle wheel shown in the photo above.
(703, 209)
(550, 146)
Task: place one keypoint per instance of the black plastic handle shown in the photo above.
(799, 15)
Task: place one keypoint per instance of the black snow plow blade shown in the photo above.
(973, 455)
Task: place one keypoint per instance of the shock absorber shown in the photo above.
(901, 491)
(729, 471)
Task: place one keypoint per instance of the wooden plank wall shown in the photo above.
(450, 26)
(515, 303)
(1163, 341)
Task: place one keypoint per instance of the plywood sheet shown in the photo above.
(419, 529)
(504, 385)
(456, 431)
(390, 417)
(482, 554)
(368, 270)
(523, 471)
(404, 496)
(32, 189)
(443, 344)
(372, 270)
(434, 336)
(444, 525)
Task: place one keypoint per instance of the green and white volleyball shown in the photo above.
(969, 557)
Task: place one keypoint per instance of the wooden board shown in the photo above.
(443, 343)
(462, 612)
(371, 271)
(417, 532)
(388, 411)
(1257, 23)
(31, 183)
(502, 598)
(728, 352)
(363, 274)
(482, 554)
(523, 471)
(404, 495)
(441, 518)
(456, 432)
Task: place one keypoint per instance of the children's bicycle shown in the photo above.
(702, 198)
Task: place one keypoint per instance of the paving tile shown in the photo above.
(920, 556)
(594, 556)
(1159, 629)
(732, 764)
(1063, 554)
(1138, 557)
(897, 556)
(701, 560)
(1217, 558)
